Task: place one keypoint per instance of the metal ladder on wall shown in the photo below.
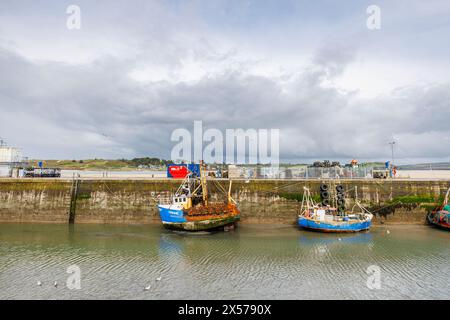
(73, 199)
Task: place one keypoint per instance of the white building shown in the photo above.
(10, 155)
(9, 158)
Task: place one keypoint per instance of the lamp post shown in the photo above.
(392, 150)
(392, 169)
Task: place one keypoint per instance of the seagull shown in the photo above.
(387, 231)
(158, 279)
(339, 239)
(39, 283)
(55, 284)
(147, 288)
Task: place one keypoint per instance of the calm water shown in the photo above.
(252, 262)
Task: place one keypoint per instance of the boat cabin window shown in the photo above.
(179, 199)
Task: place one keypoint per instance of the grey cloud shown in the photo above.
(96, 110)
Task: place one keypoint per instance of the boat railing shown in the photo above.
(164, 200)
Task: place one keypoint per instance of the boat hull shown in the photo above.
(171, 214)
(175, 219)
(202, 225)
(434, 219)
(335, 227)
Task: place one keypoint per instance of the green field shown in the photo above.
(92, 164)
(104, 164)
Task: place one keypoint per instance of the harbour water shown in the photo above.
(251, 262)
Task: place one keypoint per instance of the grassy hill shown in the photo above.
(90, 164)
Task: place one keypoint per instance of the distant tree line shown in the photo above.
(147, 161)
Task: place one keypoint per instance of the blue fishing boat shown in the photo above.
(326, 218)
(190, 209)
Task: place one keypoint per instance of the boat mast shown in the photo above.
(230, 200)
(203, 183)
(306, 201)
(446, 197)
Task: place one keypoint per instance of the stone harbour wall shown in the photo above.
(260, 201)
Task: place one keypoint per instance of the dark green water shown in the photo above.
(252, 262)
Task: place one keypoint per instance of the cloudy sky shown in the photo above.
(137, 70)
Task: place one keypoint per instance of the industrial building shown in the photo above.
(10, 159)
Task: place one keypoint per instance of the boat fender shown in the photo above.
(325, 194)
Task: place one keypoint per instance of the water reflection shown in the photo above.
(314, 238)
(252, 262)
(169, 245)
